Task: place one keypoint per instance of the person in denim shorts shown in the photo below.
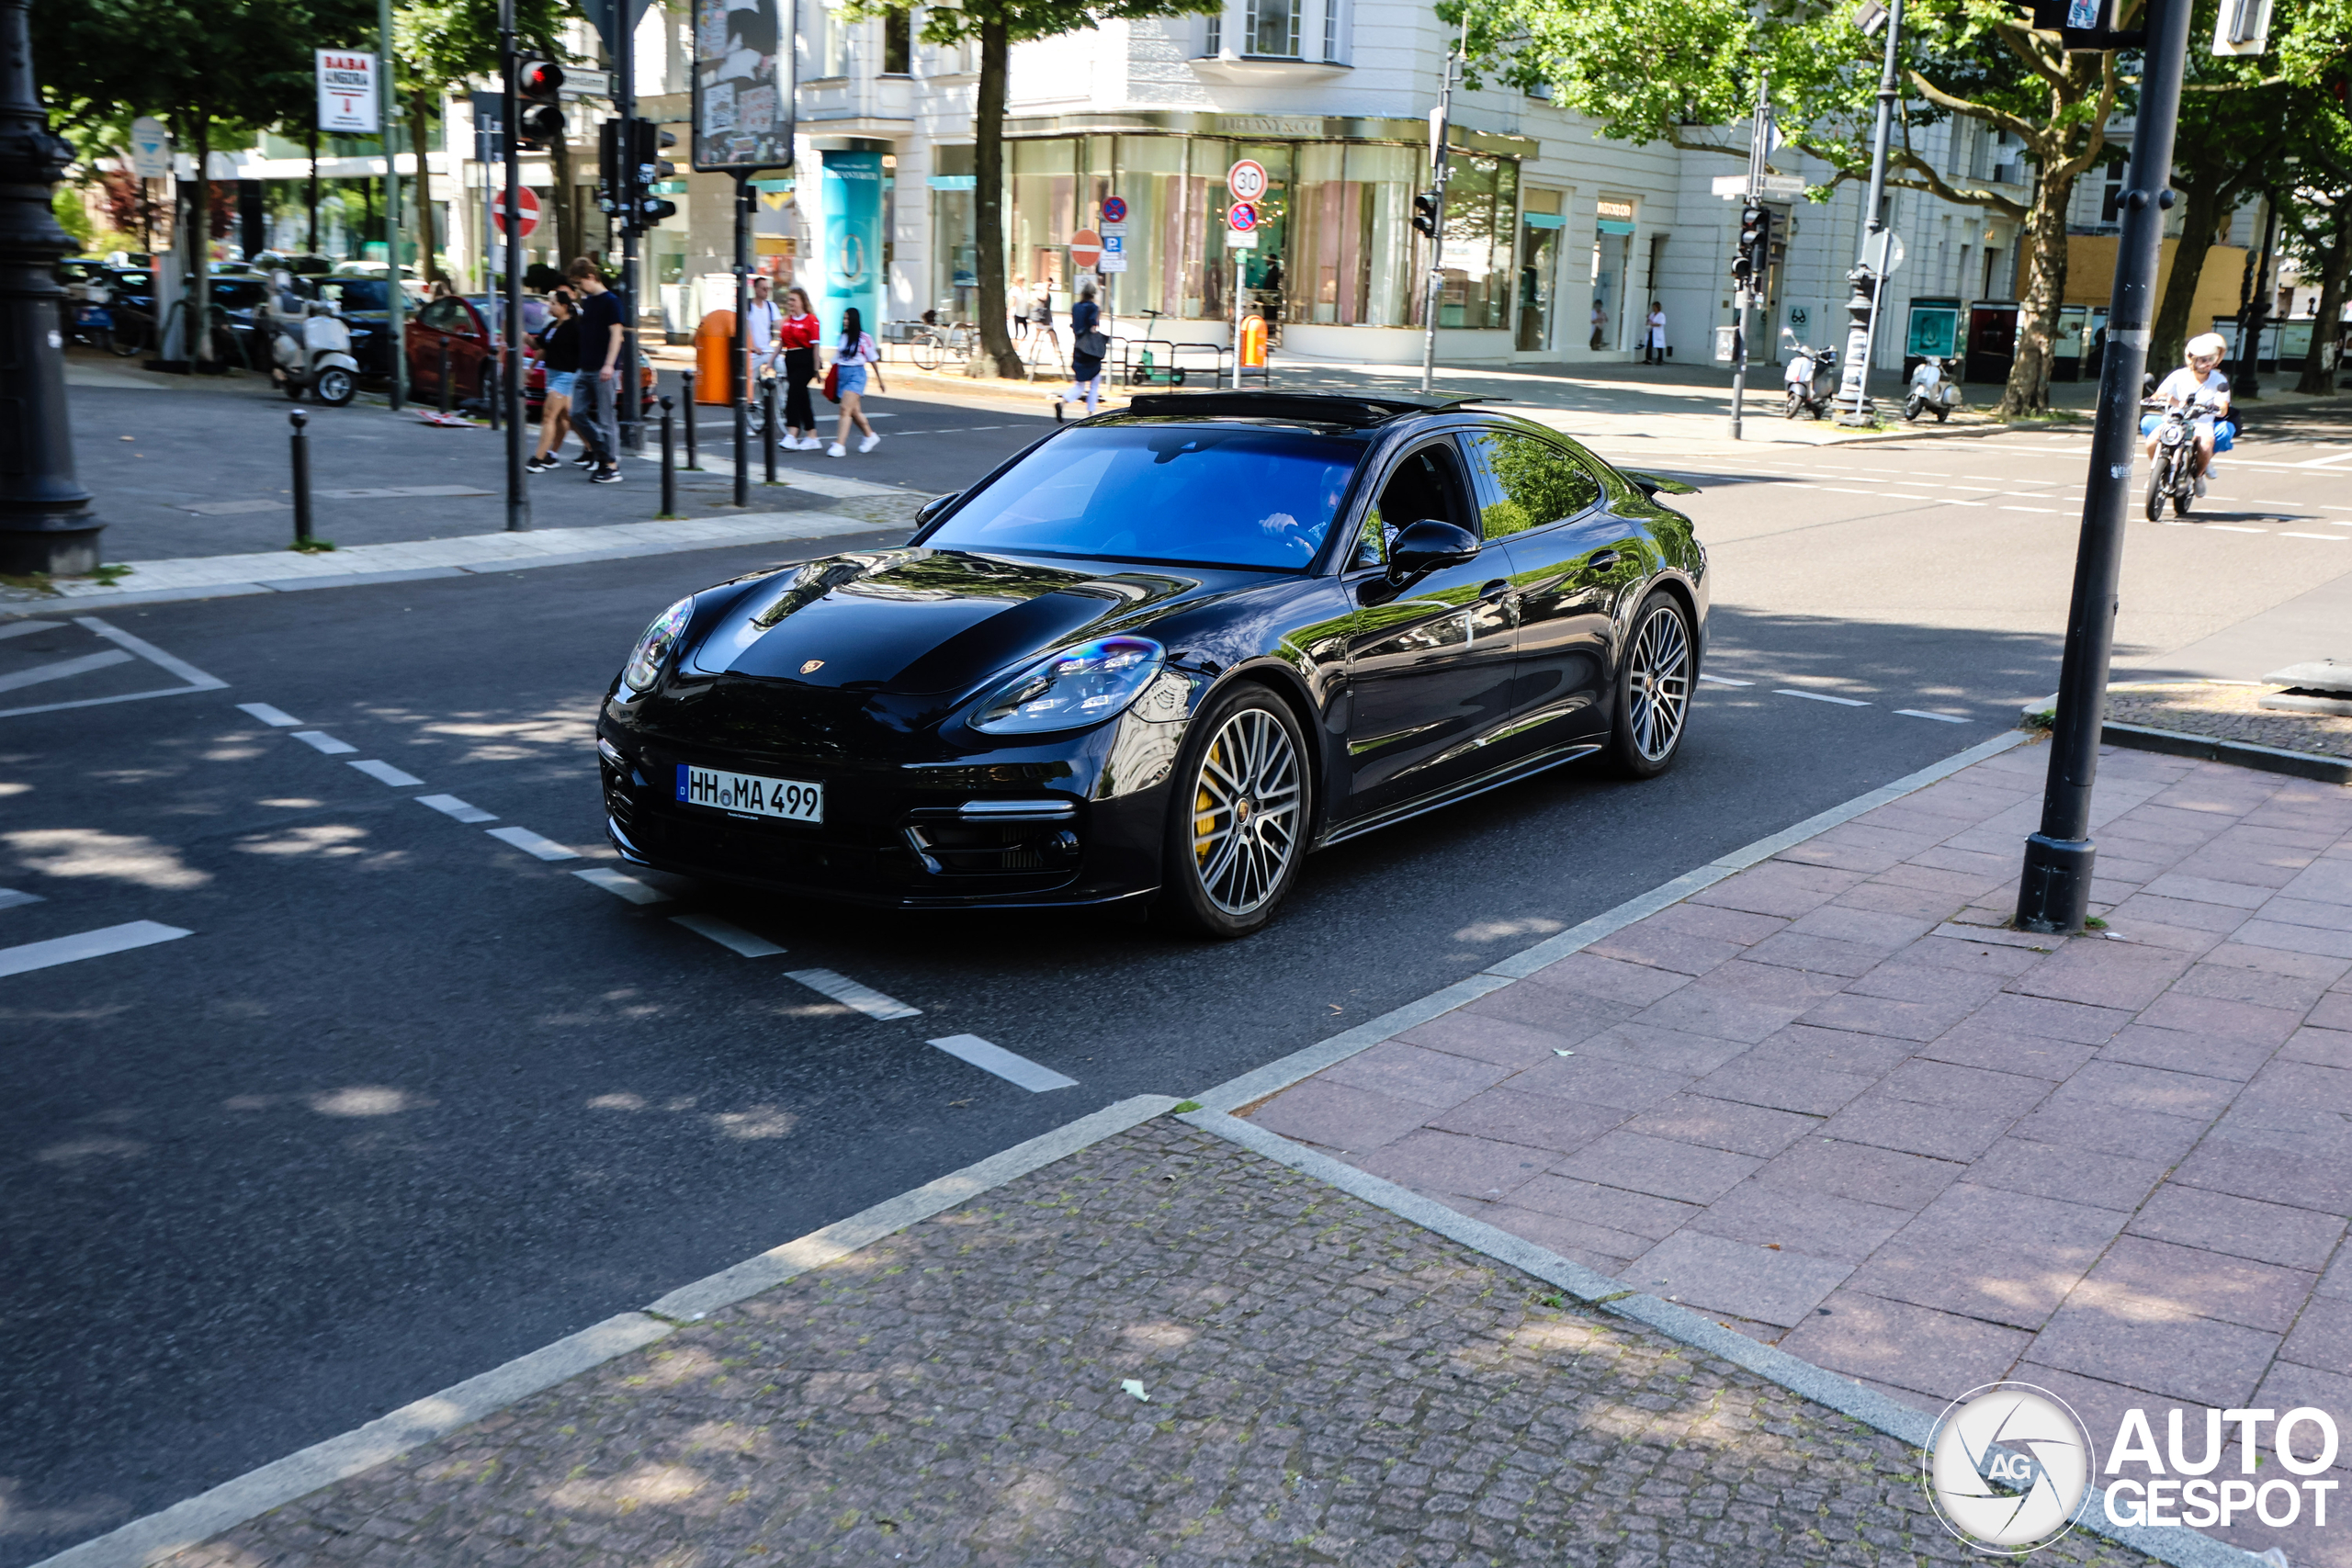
(853, 356)
(560, 356)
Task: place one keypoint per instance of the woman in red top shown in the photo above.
(797, 336)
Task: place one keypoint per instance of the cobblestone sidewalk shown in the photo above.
(1834, 1098)
(1320, 1383)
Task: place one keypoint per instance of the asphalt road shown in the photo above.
(408, 1102)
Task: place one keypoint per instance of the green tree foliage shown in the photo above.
(996, 26)
(2314, 197)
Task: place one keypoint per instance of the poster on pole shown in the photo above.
(347, 93)
(742, 86)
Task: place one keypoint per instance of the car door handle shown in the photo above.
(1601, 560)
(1499, 588)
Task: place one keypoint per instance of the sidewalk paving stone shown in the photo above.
(1323, 1383)
(2119, 1162)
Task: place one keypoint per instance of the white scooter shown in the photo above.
(1811, 379)
(314, 353)
(1932, 391)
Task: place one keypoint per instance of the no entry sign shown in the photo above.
(1085, 249)
(525, 211)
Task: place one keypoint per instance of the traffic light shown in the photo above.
(1752, 257)
(648, 168)
(1425, 212)
(538, 89)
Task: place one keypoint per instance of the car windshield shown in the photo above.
(1186, 494)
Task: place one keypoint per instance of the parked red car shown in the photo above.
(464, 324)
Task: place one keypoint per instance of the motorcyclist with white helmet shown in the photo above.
(2198, 383)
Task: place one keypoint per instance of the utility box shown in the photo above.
(1726, 343)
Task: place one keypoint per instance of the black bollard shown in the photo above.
(767, 425)
(670, 461)
(692, 461)
(445, 378)
(489, 392)
(301, 444)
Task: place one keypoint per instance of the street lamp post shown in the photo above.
(1869, 276)
(2055, 893)
(46, 525)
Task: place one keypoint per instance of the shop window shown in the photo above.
(1271, 27)
(897, 43)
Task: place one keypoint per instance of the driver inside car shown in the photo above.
(2200, 385)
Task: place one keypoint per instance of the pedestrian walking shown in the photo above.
(798, 334)
(1088, 344)
(1020, 297)
(558, 343)
(1599, 324)
(1041, 323)
(596, 389)
(1655, 338)
(759, 320)
(854, 356)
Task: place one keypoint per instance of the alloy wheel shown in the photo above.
(1246, 812)
(1657, 682)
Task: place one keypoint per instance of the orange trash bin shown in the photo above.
(712, 383)
(1253, 342)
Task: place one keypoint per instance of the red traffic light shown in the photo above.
(537, 78)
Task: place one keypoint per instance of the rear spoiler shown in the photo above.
(1652, 485)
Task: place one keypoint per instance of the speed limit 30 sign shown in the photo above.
(1246, 180)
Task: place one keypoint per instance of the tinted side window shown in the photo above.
(444, 315)
(1424, 486)
(1529, 483)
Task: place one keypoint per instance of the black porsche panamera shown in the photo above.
(1162, 654)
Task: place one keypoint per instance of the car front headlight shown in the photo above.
(653, 649)
(1075, 687)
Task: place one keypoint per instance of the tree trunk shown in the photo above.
(2319, 365)
(988, 194)
(564, 198)
(2029, 387)
(2209, 190)
(198, 329)
(419, 117)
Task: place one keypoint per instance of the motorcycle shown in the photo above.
(313, 353)
(1811, 379)
(2172, 475)
(1932, 391)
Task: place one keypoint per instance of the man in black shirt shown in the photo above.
(598, 389)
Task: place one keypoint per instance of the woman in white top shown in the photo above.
(853, 357)
(2200, 382)
(1657, 355)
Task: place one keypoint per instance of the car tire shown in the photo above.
(1650, 710)
(1238, 815)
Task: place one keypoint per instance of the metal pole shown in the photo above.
(1237, 311)
(1758, 127)
(395, 298)
(737, 369)
(510, 350)
(1869, 276)
(624, 41)
(767, 425)
(45, 520)
(693, 462)
(2054, 892)
(445, 378)
(301, 444)
(669, 458)
(1441, 170)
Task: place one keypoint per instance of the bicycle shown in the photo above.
(931, 343)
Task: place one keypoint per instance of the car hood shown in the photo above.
(918, 622)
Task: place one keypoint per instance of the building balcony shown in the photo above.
(1264, 69)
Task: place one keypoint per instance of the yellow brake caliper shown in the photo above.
(1203, 807)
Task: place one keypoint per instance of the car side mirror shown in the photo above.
(934, 506)
(1424, 546)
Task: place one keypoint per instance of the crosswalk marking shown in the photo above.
(865, 999)
(1004, 1064)
(86, 945)
(728, 935)
(531, 844)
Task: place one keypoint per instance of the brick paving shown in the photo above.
(1833, 1100)
(1327, 1382)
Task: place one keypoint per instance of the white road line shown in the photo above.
(25, 629)
(384, 773)
(1818, 697)
(1725, 680)
(627, 887)
(2228, 528)
(865, 999)
(1939, 717)
(2331, 538)
(275, 717)
(197, 679)
(1840, 490)
(533, 844)
(1955, 500)
(1898, 495)
(996, 1059)
(11, 898)
(734, 938)
(63, 668)
(450, 805)
(2045, 509)
(88, 944)
(319, 741)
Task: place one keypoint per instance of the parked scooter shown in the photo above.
(1933, 391)
(1811, 379)
(313, 353)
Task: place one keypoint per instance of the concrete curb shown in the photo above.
(2182, 1547)
(2205, 747)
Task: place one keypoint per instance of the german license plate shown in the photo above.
(789, 799)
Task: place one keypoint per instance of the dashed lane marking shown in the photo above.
(865, 999)
(319, 741)
(384, 773)
(2331, 538)
(1819, 697)
(2228, 528)
(275, 717)
(627, 887)
(1939, 717)
(87, 944)
(450, 805)
(2046, 511)
(532, 843)
(63, 670)
(1004, 1064)
(1725, 680)
(728, 935)
(25, 629)
(11, 898)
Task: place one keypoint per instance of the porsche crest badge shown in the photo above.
(812, 667)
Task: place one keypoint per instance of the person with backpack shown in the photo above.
(853, 356)
(1088, 344)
